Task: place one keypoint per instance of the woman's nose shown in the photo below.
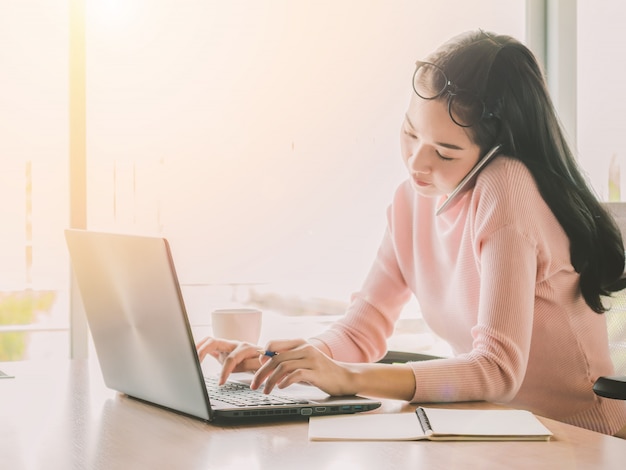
(418, 161)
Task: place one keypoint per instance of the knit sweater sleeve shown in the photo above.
(361, 334)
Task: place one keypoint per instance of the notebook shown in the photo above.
(433, 424)
(143, 340)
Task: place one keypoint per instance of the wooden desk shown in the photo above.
(61, 416)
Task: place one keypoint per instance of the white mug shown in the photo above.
(241, 324)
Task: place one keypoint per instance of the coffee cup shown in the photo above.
(241, 324)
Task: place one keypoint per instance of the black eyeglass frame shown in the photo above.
(453, 91)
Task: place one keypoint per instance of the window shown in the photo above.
(260, 137)
(601, 103)
(34, 179)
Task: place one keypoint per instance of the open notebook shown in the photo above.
(433, 424)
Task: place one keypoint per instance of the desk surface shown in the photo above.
(61, 416)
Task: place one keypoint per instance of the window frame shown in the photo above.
(79, 333)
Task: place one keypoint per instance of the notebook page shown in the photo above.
(484, 422)
(366, 427)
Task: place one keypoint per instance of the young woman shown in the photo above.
(511, 274)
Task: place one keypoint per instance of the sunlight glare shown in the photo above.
(112, 14)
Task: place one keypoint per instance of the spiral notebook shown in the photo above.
(433, 424)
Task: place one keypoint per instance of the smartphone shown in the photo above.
(469, 178)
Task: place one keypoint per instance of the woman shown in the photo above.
(511, 274)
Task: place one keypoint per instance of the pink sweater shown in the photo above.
(493, 278)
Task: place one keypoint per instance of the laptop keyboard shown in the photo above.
(240, 394)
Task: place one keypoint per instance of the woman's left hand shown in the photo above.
(298, 361)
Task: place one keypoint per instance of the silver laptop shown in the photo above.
(144, 343)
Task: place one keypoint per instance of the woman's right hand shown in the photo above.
(235, 356)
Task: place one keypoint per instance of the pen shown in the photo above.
(267, 353)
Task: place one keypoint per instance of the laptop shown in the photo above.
(144, 343)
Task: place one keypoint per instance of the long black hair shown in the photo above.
(521, 117)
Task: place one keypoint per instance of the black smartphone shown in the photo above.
(469, 178)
